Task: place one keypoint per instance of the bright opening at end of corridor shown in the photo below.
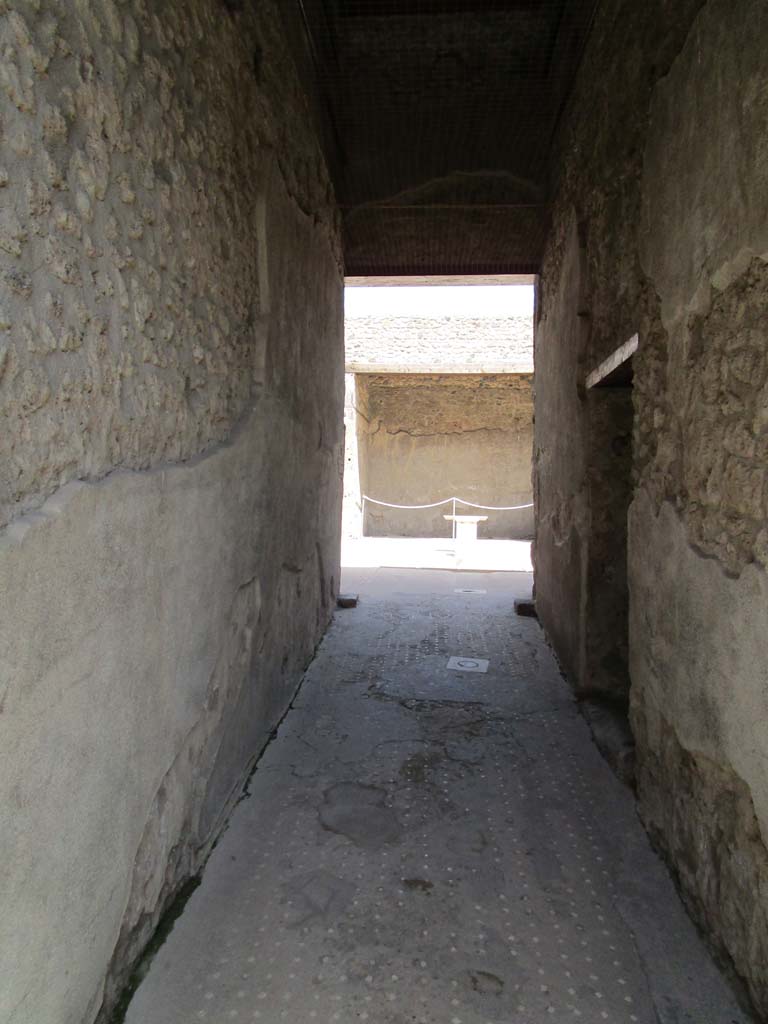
(438, 423)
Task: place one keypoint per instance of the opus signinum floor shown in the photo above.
(422, 845)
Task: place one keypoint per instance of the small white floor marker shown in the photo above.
(469, 590)
(468, 664)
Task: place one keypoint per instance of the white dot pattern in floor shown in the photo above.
(421, 846)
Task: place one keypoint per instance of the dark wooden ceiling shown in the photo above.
(439, 119)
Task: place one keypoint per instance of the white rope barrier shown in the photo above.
(447, 501)
(389, 504)
(494, 508)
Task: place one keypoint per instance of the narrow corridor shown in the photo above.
(426, 845)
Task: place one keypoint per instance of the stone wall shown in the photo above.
(434, 344)
(171, 394)
(660, 227)
(425, 437)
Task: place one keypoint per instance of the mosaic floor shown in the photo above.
(430, 846)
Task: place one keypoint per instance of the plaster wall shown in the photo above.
(559, 462)
(666, 190)
(430, 436)
(171, 393)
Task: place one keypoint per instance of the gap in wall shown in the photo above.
(439, 406)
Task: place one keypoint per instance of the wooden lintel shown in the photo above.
(610, 368)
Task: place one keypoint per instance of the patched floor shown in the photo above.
(428, 846)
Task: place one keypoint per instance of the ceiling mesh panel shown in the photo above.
(440, 117)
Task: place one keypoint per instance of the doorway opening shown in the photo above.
(439, 423)
(609, 479)
(604, 681)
